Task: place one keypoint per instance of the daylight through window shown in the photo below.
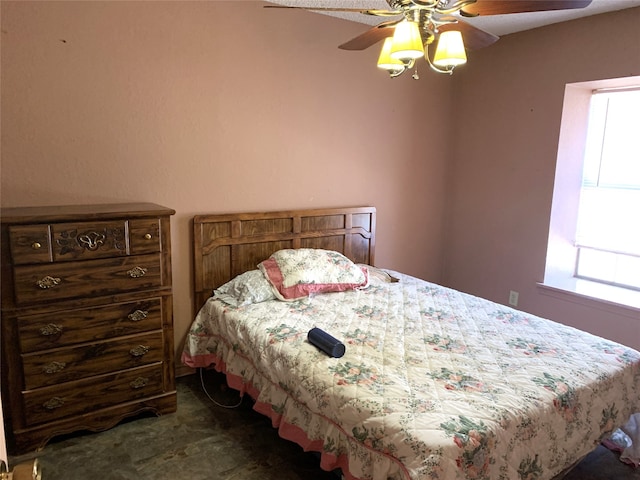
(608, 229)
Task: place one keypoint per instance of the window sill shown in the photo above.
(597, 295)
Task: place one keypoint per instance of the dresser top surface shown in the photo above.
(63, 213)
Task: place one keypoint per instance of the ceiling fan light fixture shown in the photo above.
(385, 61)
(410, 20)
(450, 51)
(407, 42)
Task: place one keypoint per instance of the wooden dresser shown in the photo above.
(87, 320)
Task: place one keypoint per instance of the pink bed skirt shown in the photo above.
(287, 431)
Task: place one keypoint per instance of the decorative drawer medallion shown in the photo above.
(90, 278)
(82, 396)
(69, 327)
(63, 365)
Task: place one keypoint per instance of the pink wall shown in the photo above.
(146, 101)
(508, 103)
(140, 101)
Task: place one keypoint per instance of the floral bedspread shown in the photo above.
(435, 384)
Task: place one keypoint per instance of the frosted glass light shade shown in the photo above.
(450, 51)
(407, 42)
(385, 61)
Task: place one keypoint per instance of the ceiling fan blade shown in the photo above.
(500, 7)
(367, 11)
(473, 37)
(371, 36)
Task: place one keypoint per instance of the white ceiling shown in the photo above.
(496, 24)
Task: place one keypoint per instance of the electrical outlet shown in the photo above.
(513, 298)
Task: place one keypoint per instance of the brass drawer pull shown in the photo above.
(36, 245)
(50, 329)
(138, 315)
(139, 383)
(147, 236)
(137, 272)
(139, 351)
(53, 403)
(53, 367)
(48, 282)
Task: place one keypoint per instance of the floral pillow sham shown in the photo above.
(298, 273)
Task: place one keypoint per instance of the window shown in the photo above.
(608, 226)
(594, 232)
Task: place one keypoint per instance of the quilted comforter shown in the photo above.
(435, 384)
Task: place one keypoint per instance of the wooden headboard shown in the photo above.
(225, 246)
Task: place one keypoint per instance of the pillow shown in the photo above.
(297, 273)
(378, 275)
(247, 288)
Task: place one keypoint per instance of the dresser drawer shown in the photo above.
(63, 365)
(58, 281)
(144, 236)
(30, 244)
(95, 393)
(43, 332)
(88, 240)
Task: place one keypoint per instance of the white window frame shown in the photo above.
(562, 250)
(610, 202)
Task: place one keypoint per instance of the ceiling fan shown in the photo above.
(415, 24)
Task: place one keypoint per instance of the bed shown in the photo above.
(433, 384)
